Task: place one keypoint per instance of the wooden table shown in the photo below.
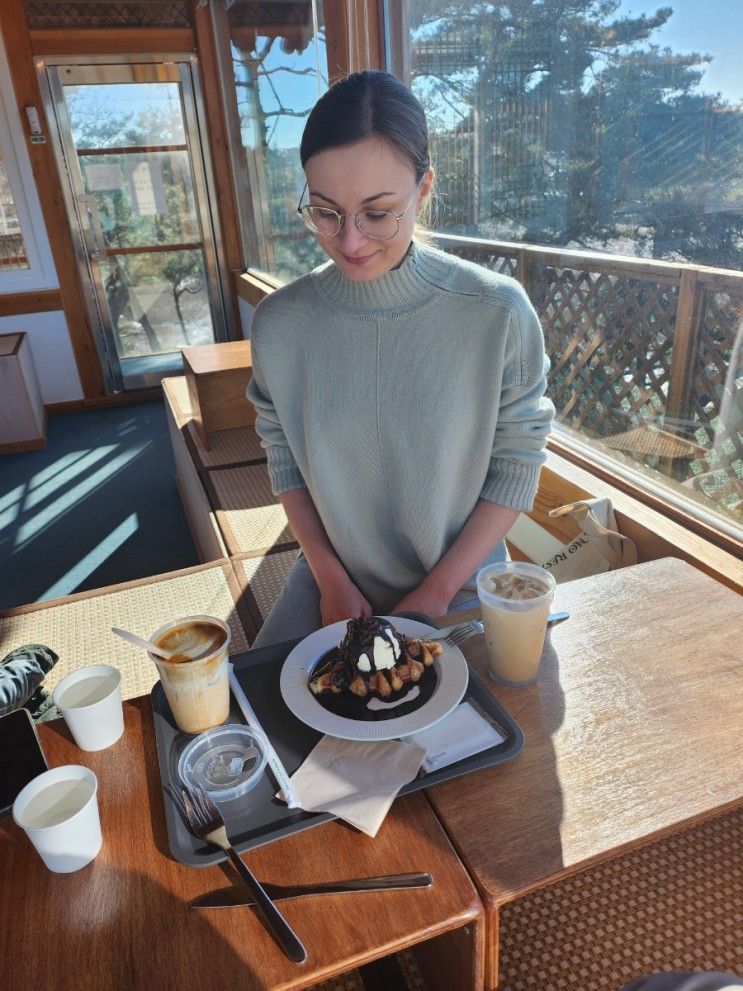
(633, 731)
(123, 921)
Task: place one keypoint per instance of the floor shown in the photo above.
(97, 506)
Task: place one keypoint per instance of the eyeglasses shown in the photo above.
(379, 225)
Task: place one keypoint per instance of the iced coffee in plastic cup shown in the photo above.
(195, 679)
(515, 602)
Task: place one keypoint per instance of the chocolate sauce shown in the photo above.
(350, 706)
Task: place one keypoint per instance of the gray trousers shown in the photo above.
(678, 981)
(296, 612)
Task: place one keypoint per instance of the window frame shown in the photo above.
(41, 273)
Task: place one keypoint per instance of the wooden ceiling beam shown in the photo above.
(111, 41)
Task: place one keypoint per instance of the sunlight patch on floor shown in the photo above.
(85, 567)
(10, 506)
(57, 466)
(41, 490)
(70, 498)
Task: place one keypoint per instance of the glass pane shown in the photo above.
(143, 199)
(158, 302)
(279, 70)
(125, 115)
(597, 127)
(12, 250)
(613, 341)
(593, 125)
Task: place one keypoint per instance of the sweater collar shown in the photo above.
(404, 288)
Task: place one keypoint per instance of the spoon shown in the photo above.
(141, 642)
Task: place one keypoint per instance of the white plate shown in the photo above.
(452, 677)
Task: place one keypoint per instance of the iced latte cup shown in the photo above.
(195, 679)
(515, 601)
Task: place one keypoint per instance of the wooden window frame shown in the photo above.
(39, 275)
(354, 37)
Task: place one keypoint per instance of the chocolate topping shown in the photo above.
(359, 639)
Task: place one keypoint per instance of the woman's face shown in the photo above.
(368, 175)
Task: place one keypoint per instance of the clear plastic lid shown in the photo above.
(226, 761)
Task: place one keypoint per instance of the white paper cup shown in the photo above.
(90, 701)
(58, 811)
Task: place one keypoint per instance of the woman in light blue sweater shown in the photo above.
(399, 390)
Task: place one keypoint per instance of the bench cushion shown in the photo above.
(261, 578)
(250, 518)
(78, 627)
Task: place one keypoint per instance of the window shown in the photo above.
(12, 248)
(25, 258)
(278, 70)
(594, 151)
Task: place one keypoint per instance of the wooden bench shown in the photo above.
(227, 498)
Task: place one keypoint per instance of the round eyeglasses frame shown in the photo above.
(304, 213)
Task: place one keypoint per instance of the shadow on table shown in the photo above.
(511, 829)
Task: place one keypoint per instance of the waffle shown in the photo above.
(340, 670)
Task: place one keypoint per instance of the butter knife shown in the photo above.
(232, 897)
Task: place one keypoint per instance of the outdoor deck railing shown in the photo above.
(647, 356)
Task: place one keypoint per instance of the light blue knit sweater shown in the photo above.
(399, 403)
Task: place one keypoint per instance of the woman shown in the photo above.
(399, 390)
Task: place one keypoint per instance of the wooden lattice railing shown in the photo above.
(647, 357)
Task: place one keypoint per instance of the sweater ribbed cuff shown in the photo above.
(512, 484)
(283, 471)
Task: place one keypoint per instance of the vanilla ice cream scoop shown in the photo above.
(371, 644)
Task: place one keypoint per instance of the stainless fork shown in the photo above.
(458, 633)
(207, 823)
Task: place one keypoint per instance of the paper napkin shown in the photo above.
(356, 781)
(461, 734)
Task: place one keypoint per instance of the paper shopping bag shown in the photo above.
(596, 548)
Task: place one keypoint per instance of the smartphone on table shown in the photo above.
(21, 756)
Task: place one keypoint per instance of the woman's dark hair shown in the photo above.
(365, 105)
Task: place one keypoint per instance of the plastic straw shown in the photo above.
(278, 769)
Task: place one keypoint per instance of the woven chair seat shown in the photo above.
(676, 904)
(78, 627)
(228, 447)
(261, 579)
(250, 518)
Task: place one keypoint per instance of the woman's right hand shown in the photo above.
(341, 600)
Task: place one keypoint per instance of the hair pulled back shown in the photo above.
(364, 105)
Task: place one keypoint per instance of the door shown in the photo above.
(127, 139)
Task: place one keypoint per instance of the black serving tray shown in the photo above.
(258, 817)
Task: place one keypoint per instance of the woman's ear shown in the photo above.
(426, 186)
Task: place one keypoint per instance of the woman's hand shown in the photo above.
(486, 526)
(341, 600)
(425, 601)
